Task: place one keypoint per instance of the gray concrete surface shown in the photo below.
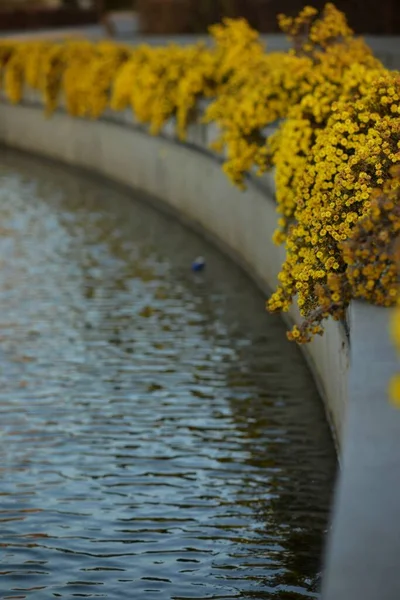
(93, 32)
(386, 48)
(364, 548)
(126, 28)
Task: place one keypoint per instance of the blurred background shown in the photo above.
(21, 15)
(190, 16)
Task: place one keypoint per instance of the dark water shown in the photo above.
(159, 436)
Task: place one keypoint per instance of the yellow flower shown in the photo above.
(394, 391)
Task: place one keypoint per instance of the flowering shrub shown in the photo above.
(159, 83)
(351, 155)
(266, 87)
(334, 149)
(83, 71)
(370, 258)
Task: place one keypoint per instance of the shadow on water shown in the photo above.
(160, 437)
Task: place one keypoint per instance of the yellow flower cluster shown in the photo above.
(307, 32)
(89, 75)
(13, 72)
(265, 87)
(258, 95)
(340, 72)
(338, 111)
(84, 72)
(351, 155)
(370, 259)
(156, 82)
(370, 254)
(160, 83)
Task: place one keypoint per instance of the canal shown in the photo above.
(159, 436)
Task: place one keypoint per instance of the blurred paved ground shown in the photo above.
(126, 29)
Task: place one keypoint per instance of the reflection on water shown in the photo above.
(159, 436)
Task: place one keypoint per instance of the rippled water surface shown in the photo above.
(159, 436)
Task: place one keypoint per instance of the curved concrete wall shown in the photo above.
(189, 180)
(364, 544)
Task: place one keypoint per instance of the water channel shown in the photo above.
(159, 436)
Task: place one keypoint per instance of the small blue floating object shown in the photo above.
(198, 264)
